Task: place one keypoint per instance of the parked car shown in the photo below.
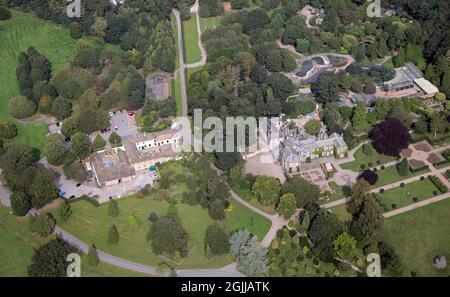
(131, 114)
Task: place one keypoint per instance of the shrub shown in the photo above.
(381, 191)
(378, 162)
(370, 164)
(422, 178)
(435, 193)
(402, 185)
(75, 30)
(382, 167)
(20, 107)
(440, 97)
(8, 130)
(369, 176)
(20, 203)
(43, 224)
(5, 14)
(363, 166)
(437, 182)
(74, 170)
(415, 199)
(113, 209)
(217, 239)
(134, 221)
(394, 206)
(99, 143)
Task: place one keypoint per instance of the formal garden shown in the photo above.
(366, 157)
(408, 194)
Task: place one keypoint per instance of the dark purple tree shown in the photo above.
(390, 137)
(369, 176)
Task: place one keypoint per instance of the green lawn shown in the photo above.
(190, 37)
(390, 175)
(241, 217)
(361, 158)
(175, 35)
(18, 244)
(419, 235)
(17, 34)
(176, 93)
(404, 196)
(91, 225)
(209, 23)
(341, 212)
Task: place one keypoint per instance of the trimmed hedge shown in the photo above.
(437, 182)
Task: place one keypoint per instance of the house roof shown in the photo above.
(426, 86)
(137, 156)
(300, 145)
(110, 166)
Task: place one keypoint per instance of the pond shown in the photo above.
(305, 68)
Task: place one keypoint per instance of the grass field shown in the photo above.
(390, 175)
(241, 217)
(16, 35)
(341, 212)
(190, 37)
(91, 225)
(420, 235)
(361, 158)
(18, 244)
(404, 196)
(209, 23)
(175, 35)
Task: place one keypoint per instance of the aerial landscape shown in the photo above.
(210, 138)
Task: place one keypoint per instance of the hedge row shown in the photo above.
(437, 182)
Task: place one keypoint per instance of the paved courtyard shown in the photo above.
(257, 166)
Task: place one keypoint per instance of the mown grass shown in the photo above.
(390, 175)
(209, 23)
(91, 224)
(420, 235)
(403, 196)
(16, 35)
(190, 38)
(366, 160)
(18, 244)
